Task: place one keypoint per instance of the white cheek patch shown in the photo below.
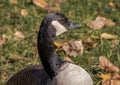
(59, 27)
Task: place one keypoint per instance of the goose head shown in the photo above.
(58, 23)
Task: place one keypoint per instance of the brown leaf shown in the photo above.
(96, 24)
(105, 64)
(108, 36)
(99, 23)
(2, 41)
(108, 80)
(112, 4)
(68, 50)
(115, 82)
(106, 21)
(73, 48)
(13, 1)
(1, 5)
(41, 3)
(18, 35)
(53, 9)
(116, 76)
(34, 41)
(24, 12)
(68, 59)
(58, 1)
(4, 36)
(17, 58)
(90, 43)
(114, 43)
(111, 82)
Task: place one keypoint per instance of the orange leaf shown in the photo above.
(13, 1)
(58, 44)
(112, 4)
(105, 64)
(105, 76)
(41, 3)
(2, 41)
(24, 12)
(108, 36)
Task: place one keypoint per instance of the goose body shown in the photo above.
(54, 71)
(71, 74)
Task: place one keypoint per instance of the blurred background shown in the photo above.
(19, 25)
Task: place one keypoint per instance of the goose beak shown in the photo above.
(74, 25)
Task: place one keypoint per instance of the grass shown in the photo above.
(81, 11)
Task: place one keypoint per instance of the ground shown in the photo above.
(17, 54)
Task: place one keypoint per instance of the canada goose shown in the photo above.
(55, 71)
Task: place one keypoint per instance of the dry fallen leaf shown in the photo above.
(116, 76)
(68, 59)
(41, 3)
(34, 41)
(96, 24)
(105, 76)
(24, 12)
(1, 5)
(73, 48)
(107, 79)
(68, 50)
(99, 23)
(108, 36)
(115, 82)
(58, 44)
(4, 36)
(111, 82)
(18, 35)
(54, 5)
(106, 21)
(112, 4)
(16, 58)
(106, 65)
(58, 1)
(114, 43)
(2, 41)
(90, 43)
(13, 1)
(53, 9)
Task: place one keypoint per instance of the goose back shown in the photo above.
(34, 75)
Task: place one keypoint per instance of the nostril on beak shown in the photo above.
(78, 25)
(74, 25)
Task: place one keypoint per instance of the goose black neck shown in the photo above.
(47, 53)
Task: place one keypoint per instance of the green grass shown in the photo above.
(81, 11)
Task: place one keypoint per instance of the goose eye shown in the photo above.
(62, 20)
